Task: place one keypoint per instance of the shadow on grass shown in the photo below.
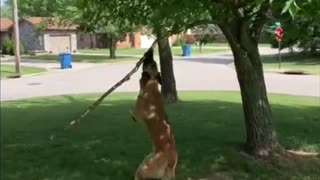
(297, 59)
(107, 144)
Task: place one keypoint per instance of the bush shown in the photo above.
(8, 47)
(179, 42)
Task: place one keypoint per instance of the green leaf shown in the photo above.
(287, 6)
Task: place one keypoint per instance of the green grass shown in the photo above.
(123, 51)
(82, 58)
(176, 51)
(226, 45)
(295, 62)
(9, 70)
(208, 127)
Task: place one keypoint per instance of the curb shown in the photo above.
(26, 75)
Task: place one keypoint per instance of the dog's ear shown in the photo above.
(158, 77)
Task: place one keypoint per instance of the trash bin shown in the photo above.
(65, 60)
(186, 50)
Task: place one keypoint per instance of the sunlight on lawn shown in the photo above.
(9, 70)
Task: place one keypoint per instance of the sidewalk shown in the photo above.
(51, 66)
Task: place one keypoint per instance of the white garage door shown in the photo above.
(146, 41)
(59, 43)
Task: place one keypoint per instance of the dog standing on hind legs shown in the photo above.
(150, 111)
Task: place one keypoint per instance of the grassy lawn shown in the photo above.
(226, 45)
(176, 51)
(293, 62)
(208, 126)
(9, 70)
(82, 58)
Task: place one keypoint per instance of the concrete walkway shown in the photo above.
(51, 66)
(210, 72)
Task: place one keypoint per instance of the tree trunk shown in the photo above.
(261, 136)
(168, 87)
(313, 49)
(112, 48)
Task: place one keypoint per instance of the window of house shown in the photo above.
(40, 40)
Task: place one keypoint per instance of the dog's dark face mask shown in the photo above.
(150, 69)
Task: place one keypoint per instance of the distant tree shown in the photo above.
(301, 22)
(84, 15)
(40, 8)
(206, 33)
(6, 11)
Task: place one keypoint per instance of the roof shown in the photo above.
(50, 23)
(5, 24)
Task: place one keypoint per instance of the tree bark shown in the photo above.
(261, 137)
(112, 48)
(313, 49)
(168, 87)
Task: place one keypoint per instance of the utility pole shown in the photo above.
(16, 37)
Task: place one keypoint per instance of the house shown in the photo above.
(129, 40)
(5, 25)
(101, 40)
(92, 40)
(47, 35)
(140, 40)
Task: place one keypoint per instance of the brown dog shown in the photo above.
(150, 110)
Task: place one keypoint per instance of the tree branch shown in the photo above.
(200, 22)
(260, 19)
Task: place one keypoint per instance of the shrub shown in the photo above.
(8, 47)
(179, 42)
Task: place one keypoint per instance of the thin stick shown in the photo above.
(97, 102)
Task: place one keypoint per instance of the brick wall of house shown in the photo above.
(174, 38)
(136, 40)
(125, 42)
(86, 41)
(29, 37)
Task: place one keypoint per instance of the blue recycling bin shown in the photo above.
(186, 50)
(65, 60)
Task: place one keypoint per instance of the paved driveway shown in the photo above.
(213, 72)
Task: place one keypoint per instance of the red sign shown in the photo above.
(279, 33)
